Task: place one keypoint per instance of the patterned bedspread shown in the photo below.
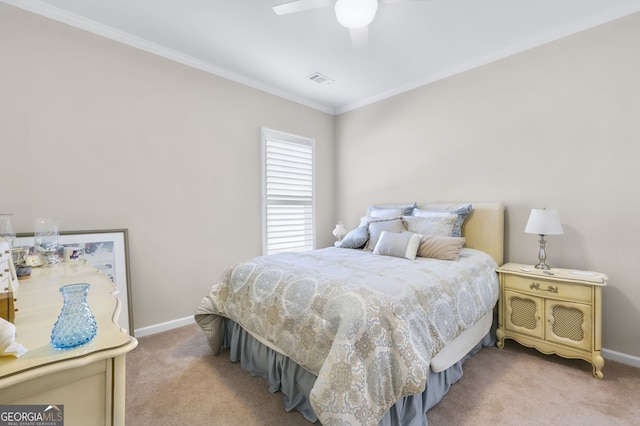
(366, 325)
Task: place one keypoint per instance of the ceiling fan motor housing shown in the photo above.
(356, 14)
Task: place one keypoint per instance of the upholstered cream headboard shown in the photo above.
(483, 228)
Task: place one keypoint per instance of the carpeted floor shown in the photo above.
(173, 379)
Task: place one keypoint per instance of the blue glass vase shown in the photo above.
(76, 325)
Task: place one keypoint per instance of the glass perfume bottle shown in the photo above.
(76, 324)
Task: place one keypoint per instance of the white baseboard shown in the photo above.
(607, 354)
(165, 326)
(631, 360)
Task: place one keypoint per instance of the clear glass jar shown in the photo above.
(46, 240)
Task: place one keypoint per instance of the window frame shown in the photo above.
(268, 134)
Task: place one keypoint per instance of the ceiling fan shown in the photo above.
(356, 15)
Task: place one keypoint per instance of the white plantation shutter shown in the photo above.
(288, 192)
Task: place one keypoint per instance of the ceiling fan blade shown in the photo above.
(359, 36)
(300, 5)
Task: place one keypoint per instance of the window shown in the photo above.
(288, 192)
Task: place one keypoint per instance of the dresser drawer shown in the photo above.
(7, 307)
(5, 253)
(4, 276)
(548, 288)
(7, 310)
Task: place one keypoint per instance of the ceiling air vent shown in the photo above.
(320, 79)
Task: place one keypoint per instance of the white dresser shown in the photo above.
(89, 381)
(7, 284)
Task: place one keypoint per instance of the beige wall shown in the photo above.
(172, 154)
(556, 126)
(102, 135)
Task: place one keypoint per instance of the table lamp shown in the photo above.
(543, 222)
(339, 232)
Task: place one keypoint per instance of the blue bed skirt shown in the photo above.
(295, 383)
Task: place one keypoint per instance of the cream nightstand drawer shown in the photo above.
(549, 288)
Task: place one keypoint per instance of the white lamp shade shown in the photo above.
(544, 222)
(339, 231)
(355, 14)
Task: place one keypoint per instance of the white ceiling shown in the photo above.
(410, 44)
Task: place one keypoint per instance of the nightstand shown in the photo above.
(556, 311)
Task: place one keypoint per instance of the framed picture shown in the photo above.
(106, 250)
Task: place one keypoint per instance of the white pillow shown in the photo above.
(440, 224)
(398, 244)
(385, 213)
(462, 211)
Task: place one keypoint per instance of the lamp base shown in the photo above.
(542, 254)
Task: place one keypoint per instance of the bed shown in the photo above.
(359, 335)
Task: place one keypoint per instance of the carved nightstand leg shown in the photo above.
(500, 336)
(598, 365)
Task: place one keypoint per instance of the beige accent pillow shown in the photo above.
(443, 248)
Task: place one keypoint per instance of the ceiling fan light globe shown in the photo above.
(355, 14)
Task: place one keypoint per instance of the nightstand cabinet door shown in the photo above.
(524, 314)
(569, 324)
